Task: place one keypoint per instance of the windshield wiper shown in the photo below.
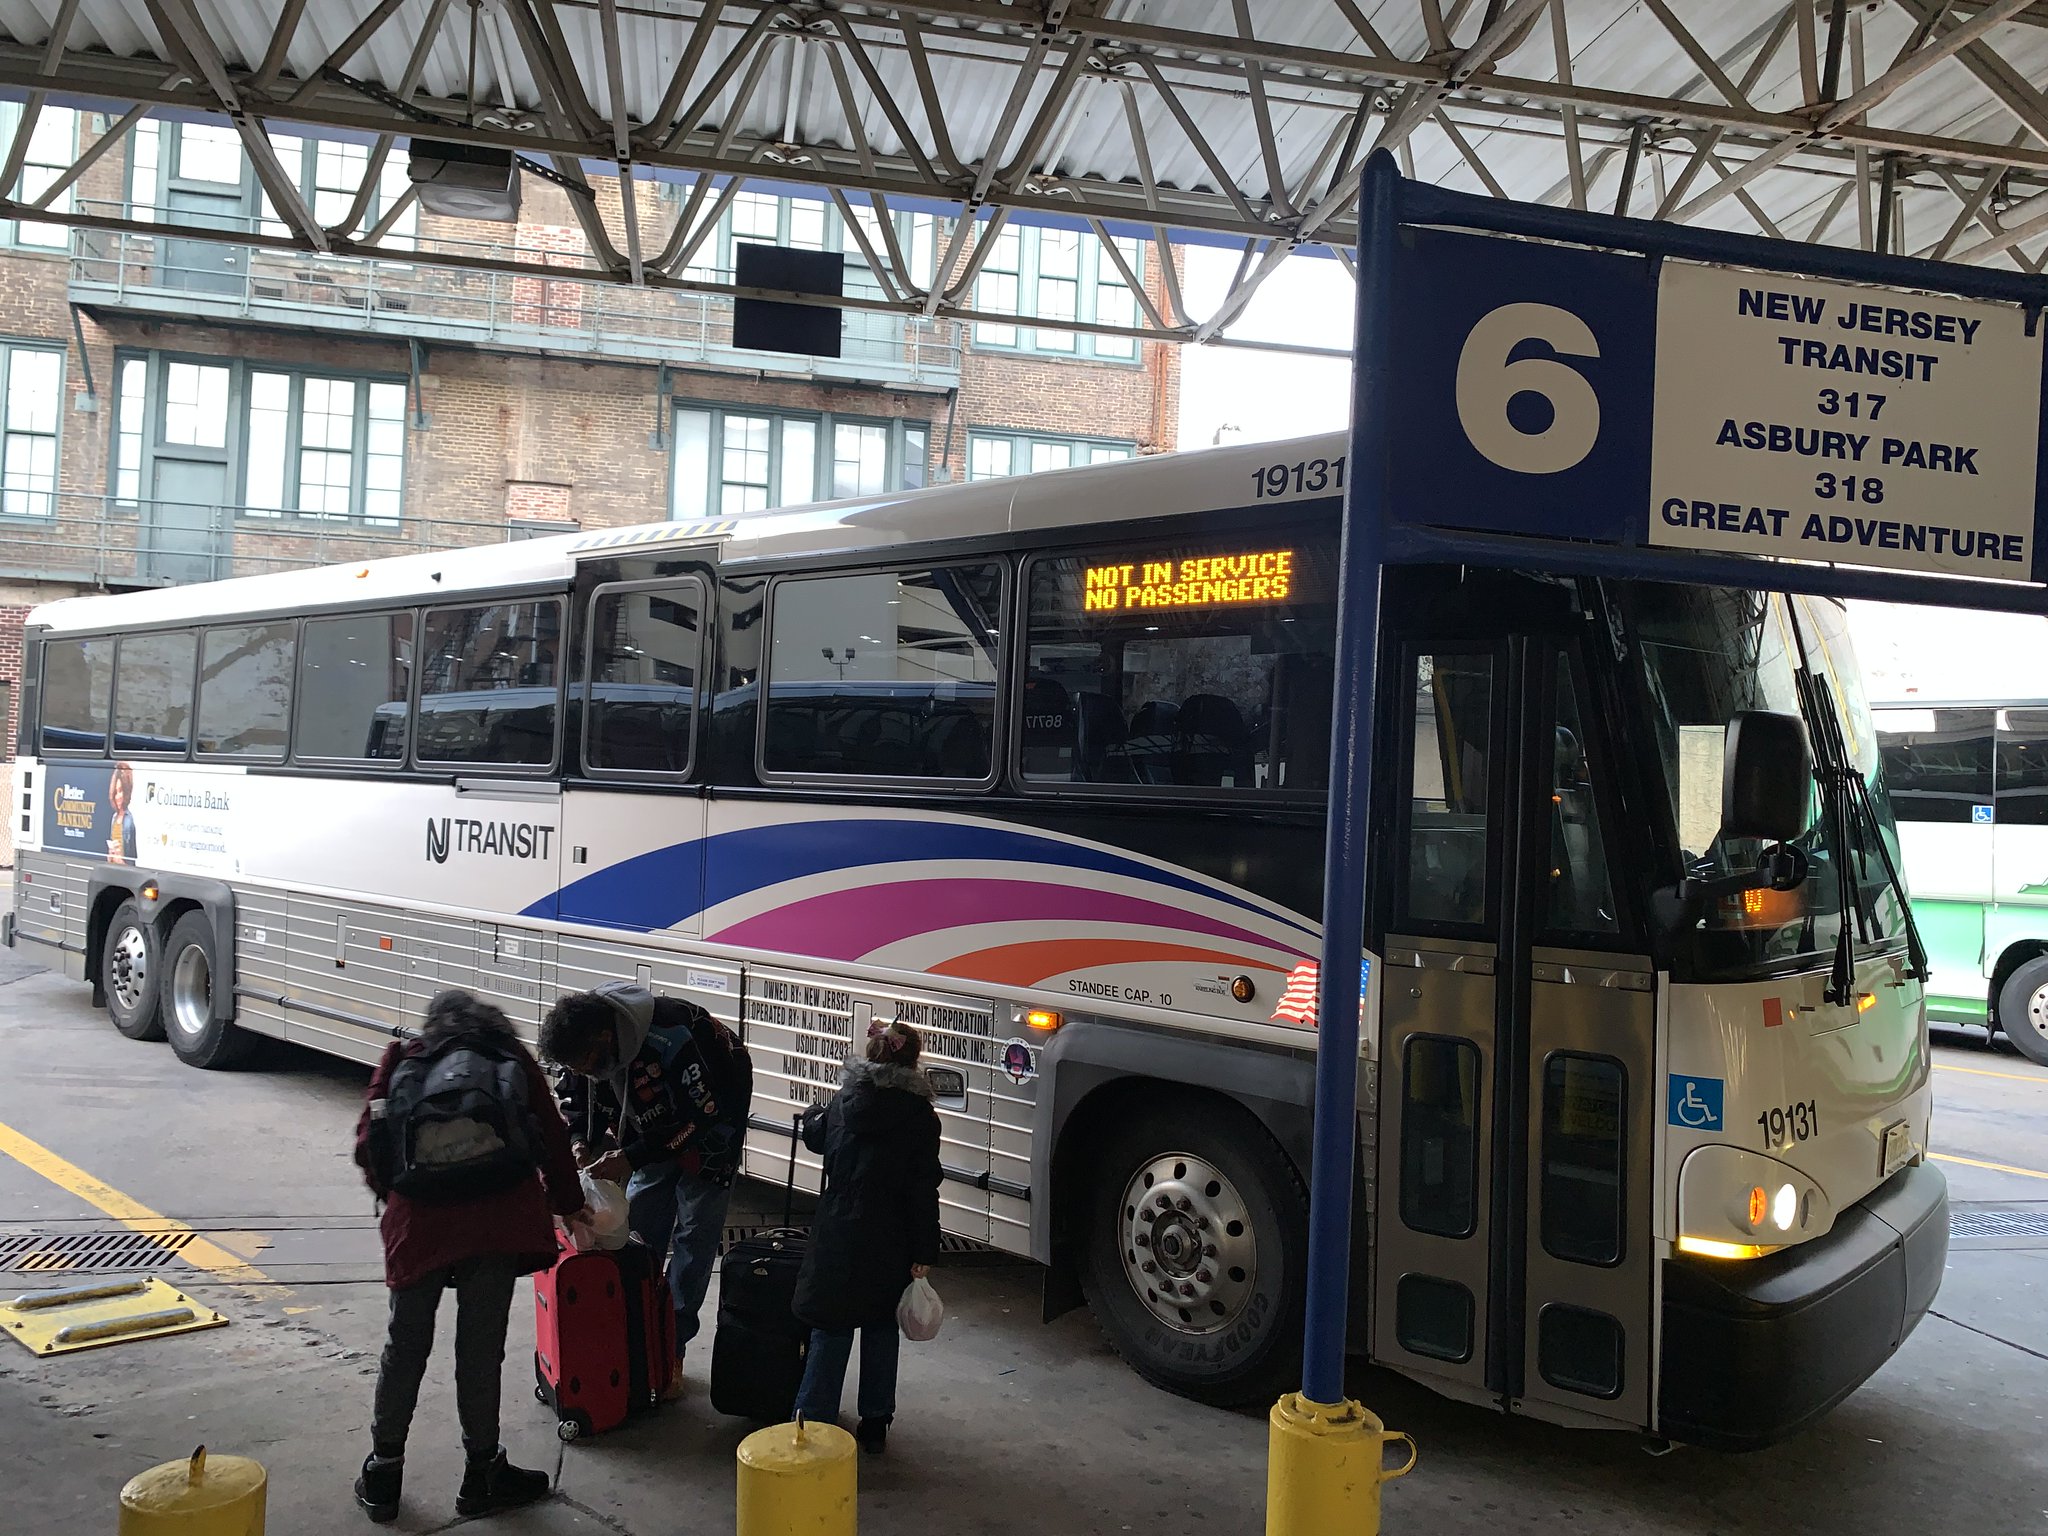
(1847, 799)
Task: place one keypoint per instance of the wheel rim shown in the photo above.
(129, 970)
(1187, 1245)
(2037, 1010)
(191, 992)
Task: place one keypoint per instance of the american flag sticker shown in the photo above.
(1297, 1003)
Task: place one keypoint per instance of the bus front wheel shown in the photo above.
(131, 973)
(200, 1039)
(2023, 1009)
(1196, 1251)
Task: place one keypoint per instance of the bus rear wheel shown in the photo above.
(131, 973)
(200, 1039)
(1196, 1251)
(2023, 1009)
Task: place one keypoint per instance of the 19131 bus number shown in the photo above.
(1303, 478)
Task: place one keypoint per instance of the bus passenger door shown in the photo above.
(1517, 1098)
(632, 822)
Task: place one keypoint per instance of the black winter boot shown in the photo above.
(377, 1488)
(873, 1435)
(489, 1486)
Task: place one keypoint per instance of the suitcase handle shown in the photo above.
(796, 1131)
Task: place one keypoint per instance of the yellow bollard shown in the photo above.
(1323, 1468)
(797, 1480)
(206, 1496)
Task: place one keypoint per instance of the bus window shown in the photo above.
(1445, 878)
(355, 674)
(886, 673)
(1707, 654)
(2022, 768)
(644, 649)
(488, 684)
(78, 685)
(1824, 629)
(1583, 1199)
(1184, 666)
(1937, 762)
(245, 691)
(1578, 896)
(153, 693)
(1440, 1136)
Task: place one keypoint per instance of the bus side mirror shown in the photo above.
(1766, 777)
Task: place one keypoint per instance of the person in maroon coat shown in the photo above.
(476, 1247)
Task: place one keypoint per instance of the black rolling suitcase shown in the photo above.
(757, 1352)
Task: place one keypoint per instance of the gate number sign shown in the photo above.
(1586, 394)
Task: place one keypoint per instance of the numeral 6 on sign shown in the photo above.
(1487, 382)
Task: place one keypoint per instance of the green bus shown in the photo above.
(1969, 785)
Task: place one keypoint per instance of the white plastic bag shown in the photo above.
(607, 1226)
(920, 1312)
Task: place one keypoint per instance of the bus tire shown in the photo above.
(131, 973)
(1218, 1315)
(2023, 1009)
(200, 1039)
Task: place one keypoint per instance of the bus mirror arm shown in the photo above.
(1784, 868)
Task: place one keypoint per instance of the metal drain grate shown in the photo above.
(38, 1253)
(1997, 1224)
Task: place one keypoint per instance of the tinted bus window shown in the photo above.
(354, 676)
(153, 693)
(1707, 654)
(2022, 768)
(245, 690)
(1190, 665)
(1444, 881)
(644, 650)
(488, 684)
(1937, 762)
(886, 674)
(78, 686)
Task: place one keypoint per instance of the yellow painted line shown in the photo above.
(131, 1213)
(2018, 1077)
(1971, 1162)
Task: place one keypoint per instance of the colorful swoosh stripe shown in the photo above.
(1045, 907)
(665, 886)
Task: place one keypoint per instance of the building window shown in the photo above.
(325, 447)
(51, 149)
(1058, 274)
(34, 387)
(731, 461)
(992, 454)
(293, 442)
(328, 175)
(811, 225)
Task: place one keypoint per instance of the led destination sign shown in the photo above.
(1207, 581)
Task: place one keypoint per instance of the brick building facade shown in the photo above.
(178, 410)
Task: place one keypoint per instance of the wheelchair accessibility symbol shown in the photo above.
(1694, 1102)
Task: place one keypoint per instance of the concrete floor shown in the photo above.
(1006, 1425)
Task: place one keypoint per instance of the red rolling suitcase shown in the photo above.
(604, 1337)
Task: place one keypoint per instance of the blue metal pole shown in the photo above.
(1344, 854)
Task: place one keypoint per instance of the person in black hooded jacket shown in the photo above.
(876, 1228)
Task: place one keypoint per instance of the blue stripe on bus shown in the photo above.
(652, 890)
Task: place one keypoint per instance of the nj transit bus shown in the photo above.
(1970, 783)
(1038, 766)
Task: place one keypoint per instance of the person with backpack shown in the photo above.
(876, 1227)
(462, 1145)
(673, 1085)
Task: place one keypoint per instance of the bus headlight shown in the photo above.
(1734, 1203)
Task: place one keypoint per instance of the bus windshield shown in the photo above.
(1708, 654)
